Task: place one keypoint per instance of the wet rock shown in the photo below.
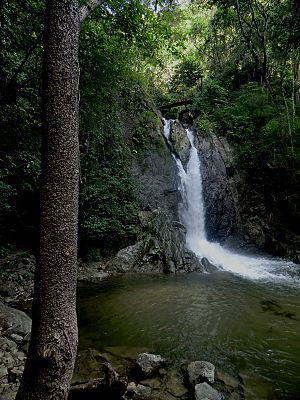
(180, 141)
(164, 245)
(142, 390)
(186, 118)
(137, 390)
(163, 395)
(228, 380)
(208, 266)
(175, 383)
(236, 396)
(153, 383)
(200, 371)
(161, 248)
(203, 391)
(150, 363)
(91, 272)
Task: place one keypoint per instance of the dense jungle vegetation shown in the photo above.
(238, 60)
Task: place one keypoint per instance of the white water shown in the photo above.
(193, 217)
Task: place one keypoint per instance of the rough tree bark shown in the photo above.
(53, 345)
(54, 336)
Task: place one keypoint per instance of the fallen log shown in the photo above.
(177, 104)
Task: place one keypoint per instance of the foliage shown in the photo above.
(210, 97)
(110, 93)
(20, 95)
(115, 41)
(247, 53)
(258, 129)
(109, 214)
(187, 73)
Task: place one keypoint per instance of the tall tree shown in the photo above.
(53, 344)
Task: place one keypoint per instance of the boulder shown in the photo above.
(126, 259)
(200, 371)
(203, 391)
(164, 241)
(208, 266)
(154, 383)
(174, 383)
(14, 321)
(93, 271)
(143, 391)
(161, 248)
(150, 363)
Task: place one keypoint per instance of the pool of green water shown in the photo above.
(246, 328)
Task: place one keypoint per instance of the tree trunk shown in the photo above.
(295, 77)
(53, 345)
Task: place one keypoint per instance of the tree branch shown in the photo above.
(88, 8)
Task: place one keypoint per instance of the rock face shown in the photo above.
(240, 210)
(218, 188)
(161, 245)
(179, 141)
(161, 248)
(154, 170)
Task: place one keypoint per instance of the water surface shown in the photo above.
(244, 327)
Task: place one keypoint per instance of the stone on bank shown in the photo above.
(150, 363)
(203, 391)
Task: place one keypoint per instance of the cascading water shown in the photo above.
(192, 215)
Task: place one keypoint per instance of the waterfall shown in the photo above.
(191, 210)
(192, 215)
